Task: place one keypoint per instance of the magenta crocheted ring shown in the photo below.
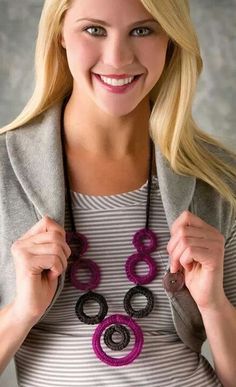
(131, 271)
(85, 264)
(77, 239)
(138, 241)
(121, 320)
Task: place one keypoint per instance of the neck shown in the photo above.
(112, 137)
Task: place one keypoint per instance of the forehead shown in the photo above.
(112, 10)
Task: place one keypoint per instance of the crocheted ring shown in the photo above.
(77, 239)
(140, 236)
(144, 311)
(124, 336)
(131, 272)
(87, 264)
(122, 320)
(79, 308)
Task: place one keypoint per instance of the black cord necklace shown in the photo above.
(116, 323)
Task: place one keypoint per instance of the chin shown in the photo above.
(117, 110)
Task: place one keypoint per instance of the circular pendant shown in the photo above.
(79, 308)
(123, 334)
(77, 239)
(131, 272)
(87, 264)
(140, 236)
(173, 282)
(128, 298)
(121, 320)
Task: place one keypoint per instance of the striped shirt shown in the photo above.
(58, 350)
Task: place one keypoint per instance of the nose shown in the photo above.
(118, 53)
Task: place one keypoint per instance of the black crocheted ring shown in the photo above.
(79, 308)
(130, 294)
(123, 332)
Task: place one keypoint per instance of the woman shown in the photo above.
(84, 201)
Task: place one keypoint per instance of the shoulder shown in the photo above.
(47, 117)
(221, 153)
(40, 134)
(207, 201)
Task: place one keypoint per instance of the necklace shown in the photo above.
(145, 242)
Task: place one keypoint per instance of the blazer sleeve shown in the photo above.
(230, 266)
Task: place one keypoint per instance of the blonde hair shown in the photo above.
(172, 127)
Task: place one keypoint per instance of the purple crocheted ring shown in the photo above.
(85, 264)
(77, 239)
(131, 272)
(122, 320)
(139, 237)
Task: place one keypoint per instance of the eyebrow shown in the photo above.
(108, 25)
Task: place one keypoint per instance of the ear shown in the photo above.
(63, 41)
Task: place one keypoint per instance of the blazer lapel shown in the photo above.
(176, 190)
(36, 157)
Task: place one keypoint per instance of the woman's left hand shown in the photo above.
(198, 248)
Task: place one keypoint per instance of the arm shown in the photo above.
(199, 249)
(13, 332)
(220, 325)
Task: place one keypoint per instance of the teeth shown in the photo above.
(116, 82)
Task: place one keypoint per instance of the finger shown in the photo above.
(45, 224)
(24, 256)
(49, 249)
(197, 255)
(46, 263)
(189, 219)
(210, 254)
(188, 233)
(51, 237)
(186, 245)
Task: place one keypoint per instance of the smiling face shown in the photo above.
(126, 46)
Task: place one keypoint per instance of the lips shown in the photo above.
(117, 89)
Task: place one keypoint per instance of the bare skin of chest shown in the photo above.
(93, 175)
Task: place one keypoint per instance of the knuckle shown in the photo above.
(50, 222)
(16, 246)
(55, 261)
(182, 232)
(190, 251)
(68, 251)
(185, 242)
(174, 259)
(54, 235)
(56, 250)
(186, 215)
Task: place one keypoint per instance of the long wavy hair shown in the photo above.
(172, 127)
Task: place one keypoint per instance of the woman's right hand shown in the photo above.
(40, 257)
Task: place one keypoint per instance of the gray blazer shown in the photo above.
(32, 185)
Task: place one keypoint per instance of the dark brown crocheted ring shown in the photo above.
(124, 337)
(130, 294)
(79, 308)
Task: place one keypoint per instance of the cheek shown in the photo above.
(80, 56)
(153, 58)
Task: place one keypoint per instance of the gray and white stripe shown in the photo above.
(58, 350)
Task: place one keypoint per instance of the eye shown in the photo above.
(143, 31)
(100, 31)
(94, 30)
